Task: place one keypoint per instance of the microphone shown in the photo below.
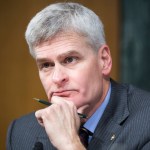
(38, 146)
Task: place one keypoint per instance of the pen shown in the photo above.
(48, 104)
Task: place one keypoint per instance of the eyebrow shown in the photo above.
(60, 56)
(40, 60)
(71, 52)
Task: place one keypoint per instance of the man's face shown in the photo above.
(69, 68)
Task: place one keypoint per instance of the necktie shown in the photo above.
(84, 136)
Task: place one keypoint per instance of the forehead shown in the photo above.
(62, 43)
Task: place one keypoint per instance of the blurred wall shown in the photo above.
(135, 48)
(18, 73)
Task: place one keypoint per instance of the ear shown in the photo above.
(105, 60)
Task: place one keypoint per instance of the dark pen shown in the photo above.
(48, 104)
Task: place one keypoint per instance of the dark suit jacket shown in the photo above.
(125, 124)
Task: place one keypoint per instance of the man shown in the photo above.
(67, 41)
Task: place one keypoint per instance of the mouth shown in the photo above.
(64, 93)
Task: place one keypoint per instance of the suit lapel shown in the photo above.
(114, 116)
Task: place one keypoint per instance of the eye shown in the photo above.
(46, 65)
(70, 59)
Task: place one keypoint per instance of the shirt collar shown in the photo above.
(94, 119)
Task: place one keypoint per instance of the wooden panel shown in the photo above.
(19, 76)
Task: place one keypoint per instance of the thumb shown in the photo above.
(83, 110)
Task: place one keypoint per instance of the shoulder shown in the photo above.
(131, 100)
(23, 132)
(132, 105)
(26, 120)
(139, 117)
(25, 125)
(135, 96)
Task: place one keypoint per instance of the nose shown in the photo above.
(59, 76)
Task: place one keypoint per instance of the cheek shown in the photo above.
(44, 82)
(89, 80)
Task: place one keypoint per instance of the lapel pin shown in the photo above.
(113, 137)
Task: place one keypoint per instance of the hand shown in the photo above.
(61, 123)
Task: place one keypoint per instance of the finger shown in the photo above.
(68, 106)
(58, 100)
(63, 103)
(83, 109)
(38, 115)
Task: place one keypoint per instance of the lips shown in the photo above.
(65, 93)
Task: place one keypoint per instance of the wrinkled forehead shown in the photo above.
(64, 36)
(62, 43)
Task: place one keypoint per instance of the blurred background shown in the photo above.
(127, 28)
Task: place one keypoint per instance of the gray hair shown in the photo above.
(64, 17)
